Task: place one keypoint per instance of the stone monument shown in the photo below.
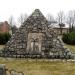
(35, 39)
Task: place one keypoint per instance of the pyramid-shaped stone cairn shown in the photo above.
(35, 39)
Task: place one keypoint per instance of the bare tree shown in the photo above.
(60, 17)
(60, 20)
(71, 20)
(22, 18)
(11, 23)
(50, 18)
(25, 16)
(14, 28)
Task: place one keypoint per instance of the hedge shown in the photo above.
(69, 38)
(4, 37)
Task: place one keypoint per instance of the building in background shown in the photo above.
(4, 27)
(56, 27)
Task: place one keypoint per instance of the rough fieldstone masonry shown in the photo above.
(35, 39)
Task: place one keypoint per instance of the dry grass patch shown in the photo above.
(2, 46)
(40, 67)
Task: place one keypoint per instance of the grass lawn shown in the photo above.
(40, 67)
